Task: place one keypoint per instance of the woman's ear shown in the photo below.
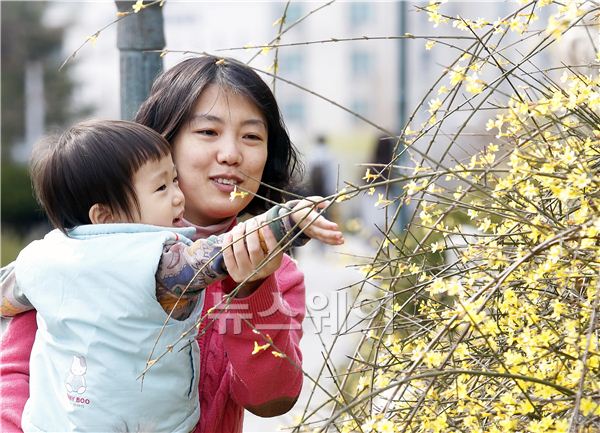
(101, 214)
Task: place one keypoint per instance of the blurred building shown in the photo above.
(359, 75)
(362, 75)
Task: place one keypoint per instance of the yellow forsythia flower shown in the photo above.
(93, 39)
(235, 194)
(138, 6)
(259, 348)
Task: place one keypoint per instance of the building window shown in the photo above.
(360, 13)
(290, 64)
(361, 63)
(360, 106)
(294, 12)
(294, 112)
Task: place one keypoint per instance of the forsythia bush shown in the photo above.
(500, 330)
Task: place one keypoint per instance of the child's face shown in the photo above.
(157, 190)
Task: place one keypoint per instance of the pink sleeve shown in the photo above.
(15, 348)
(276, 308)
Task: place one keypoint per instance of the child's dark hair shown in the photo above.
(175, 93)
(92, 162)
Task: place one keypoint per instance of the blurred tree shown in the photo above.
(26, 38)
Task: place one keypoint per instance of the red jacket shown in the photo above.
(231, 378)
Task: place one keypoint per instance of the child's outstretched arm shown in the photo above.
(184, 271)
(305, 213)
(300, 221)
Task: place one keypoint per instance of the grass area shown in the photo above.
(11, 244)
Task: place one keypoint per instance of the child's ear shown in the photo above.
(101, 214)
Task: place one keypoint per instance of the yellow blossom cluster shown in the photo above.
(508, 335)
(489, 317)
(496, 309)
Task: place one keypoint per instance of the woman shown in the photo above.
(226, 132)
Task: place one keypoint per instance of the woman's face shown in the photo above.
(222, 146)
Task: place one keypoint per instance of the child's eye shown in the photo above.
(161, 188)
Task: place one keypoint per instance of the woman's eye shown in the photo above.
(161, 188)
(253, 137)
(209, 132)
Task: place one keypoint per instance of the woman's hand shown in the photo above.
(245, 254)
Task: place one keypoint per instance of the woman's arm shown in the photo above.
(267, 383)
(15, 349)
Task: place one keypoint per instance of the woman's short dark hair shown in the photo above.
(92, 162)
(176, 91)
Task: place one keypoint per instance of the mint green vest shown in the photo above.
(98, 320)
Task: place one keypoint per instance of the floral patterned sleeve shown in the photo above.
(13, 299)
(184, 271)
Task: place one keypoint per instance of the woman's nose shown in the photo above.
(229, 153)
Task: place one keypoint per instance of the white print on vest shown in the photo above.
(76, 378)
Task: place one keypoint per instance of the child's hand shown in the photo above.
(314, 225)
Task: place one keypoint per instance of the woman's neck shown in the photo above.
(203, 232)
